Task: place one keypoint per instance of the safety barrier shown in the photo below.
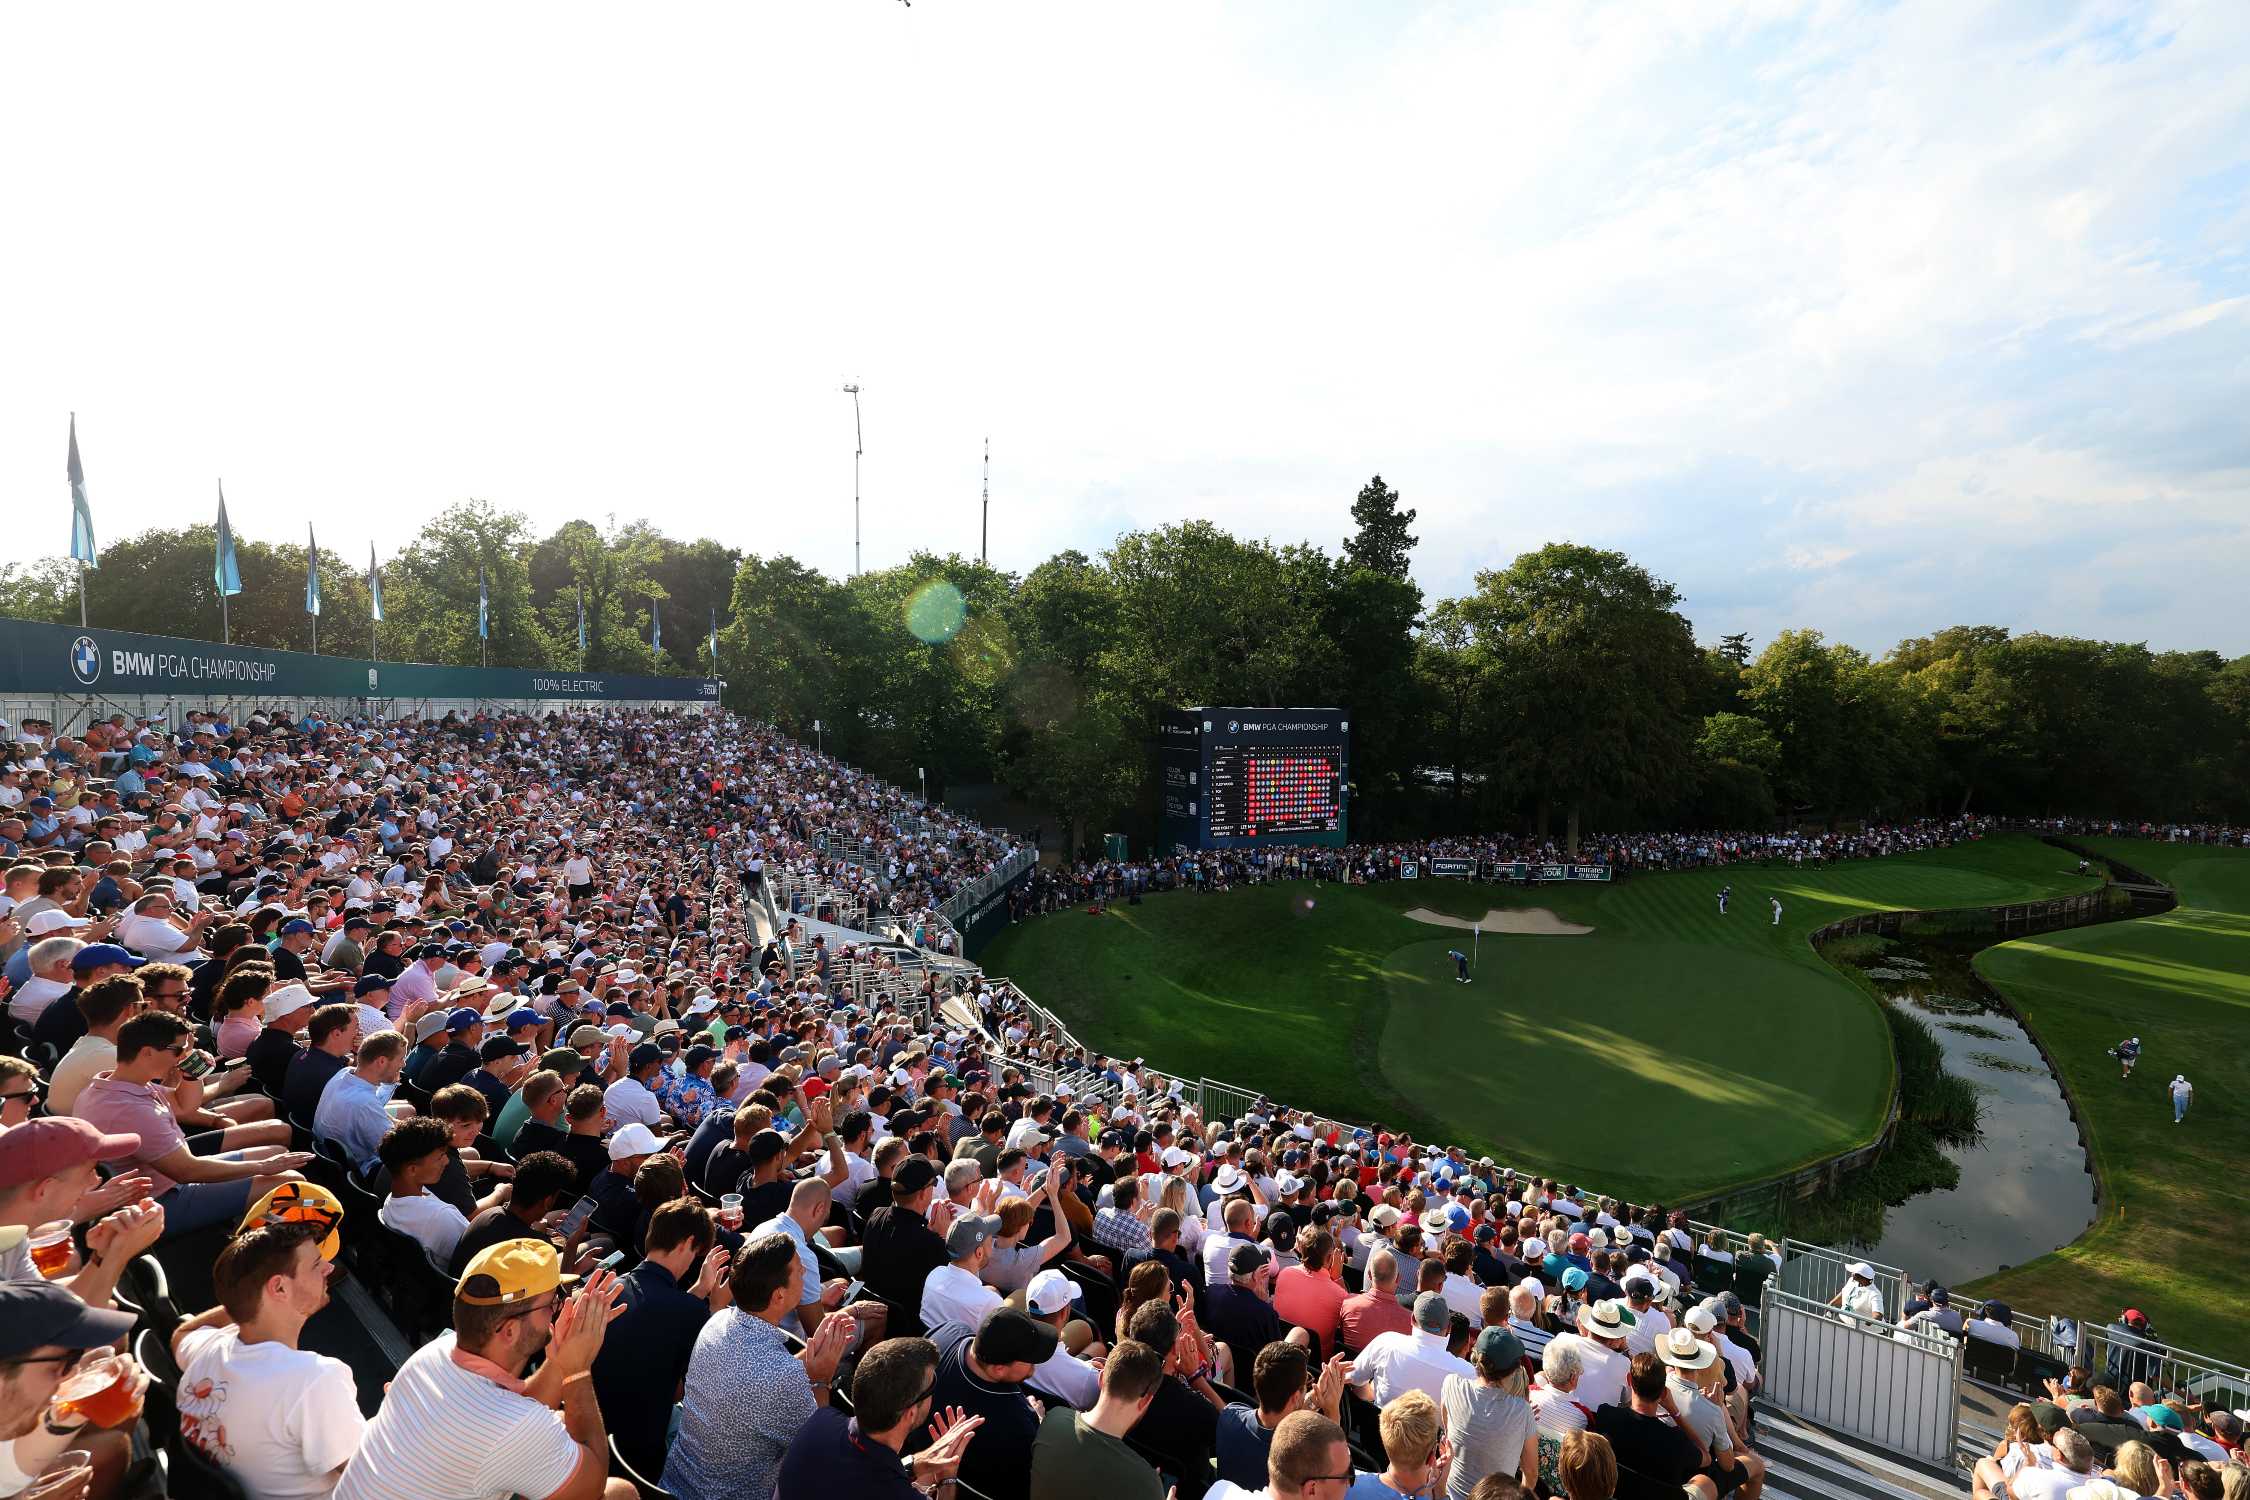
(1883, 1385)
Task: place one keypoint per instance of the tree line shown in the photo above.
(1566, 690)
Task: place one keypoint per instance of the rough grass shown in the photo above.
(2170, 1236)
(1671, 1052)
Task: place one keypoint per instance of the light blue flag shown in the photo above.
(312, 573)
(226, 574)
(374, 583)
(655, 626)
(581, 619)
(484, 608)
(81, 514)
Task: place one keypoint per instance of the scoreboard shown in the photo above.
(1241, 777)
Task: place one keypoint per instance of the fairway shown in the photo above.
(2168, 1237)
(1669, 1052)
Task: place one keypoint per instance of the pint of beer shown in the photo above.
(730, 1210)
(50, 1248)
(102, 1391)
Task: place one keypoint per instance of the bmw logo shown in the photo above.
(1234, 726)
(85, 660)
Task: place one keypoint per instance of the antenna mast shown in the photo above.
(984, 547)
(858, 445)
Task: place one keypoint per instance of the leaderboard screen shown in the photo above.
(1257, 790)
(1232, 777)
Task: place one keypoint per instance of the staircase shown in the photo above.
(1806, 1462)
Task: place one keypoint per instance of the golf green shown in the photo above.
(2168, 1239)
(1669, 1052)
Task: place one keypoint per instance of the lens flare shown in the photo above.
(935, 612)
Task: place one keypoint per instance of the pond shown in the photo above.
(2024, 1186)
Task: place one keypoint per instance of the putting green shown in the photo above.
(2169, 1236)
(1669, 1052)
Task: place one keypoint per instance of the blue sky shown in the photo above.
(1875, 318)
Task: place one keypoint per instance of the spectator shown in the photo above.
(982, 1371)
(331, 1034)
(954, 1292)
(860, 1455)
(664, 1302)
(1695, 1379)
(48, 1172)
(809, 1201)
(1654, 1459)
(356, 1106)
(1413, 1430)
(210, 1181)
(1238, 1312)
(1281, 1380)
(617, 1208)
(287, 1010)
(1067, 1374)
(1489, 1424)
(582, 1142)
(1600, 1345)
(104, 1008)
(44, 1330)
(1310, 1295)
(899, 1248)
(746, 1396)
(1395, 1363)
(631, 1100)
(1587, 1468)
(1859, 1295)
(415, 1153)
(282, 1420)
(1182, 1422)
(1375, 1311)
(1078, 1454)
(540, 1194)
(1994, 1323)
(461, 1422)
(464, 1033)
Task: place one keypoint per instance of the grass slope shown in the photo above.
(2169, 1238)
(1670, 1052)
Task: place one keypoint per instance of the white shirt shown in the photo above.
(952, 1295)
(1647, 1328)
(1864, 1299)
(447, 1433)
(280, 1420)
(1465, 1297)
(152, 937)
(2044, 1484)
(1068, 1377)
(1602, 1371)
(34, 998)
(629, 1100)
(1985, 1328)
(429, 1219)
(1395, 1363)
(1217, 1246)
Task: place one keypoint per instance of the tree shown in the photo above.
(1594, 664)
(1381, 544)
(1455, 678)
(1736, 648)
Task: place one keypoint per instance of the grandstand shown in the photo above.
(752, 954)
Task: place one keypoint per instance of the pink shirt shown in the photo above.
(142, 1109)
(1305, 1299)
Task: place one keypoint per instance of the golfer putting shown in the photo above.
(1460, 965)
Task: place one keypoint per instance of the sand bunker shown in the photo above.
(1537, 921)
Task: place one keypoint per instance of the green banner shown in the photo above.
(64, 659)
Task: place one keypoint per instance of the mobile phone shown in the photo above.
(575, 1220)
(851, 1293)
(611, 1261)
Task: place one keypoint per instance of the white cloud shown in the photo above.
(1729, 286)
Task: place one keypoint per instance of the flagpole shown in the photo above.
(81, 595)
(226, 628)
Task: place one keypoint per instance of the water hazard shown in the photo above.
(2024, 1186)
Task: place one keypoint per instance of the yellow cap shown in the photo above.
(300, 1203)
(510, 1272)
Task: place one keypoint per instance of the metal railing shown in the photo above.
(1898, 1389)
(966, 898)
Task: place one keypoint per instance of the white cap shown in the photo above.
(290, 997)
(635, 1139)
(55, 919)
(1861, 1269)
(1050, 1292)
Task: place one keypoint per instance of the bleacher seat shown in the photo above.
(1987, 1361)
(649, 1488)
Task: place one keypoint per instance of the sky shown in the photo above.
(1874, 318)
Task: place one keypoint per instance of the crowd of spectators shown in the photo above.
(1054, 887)
(489, 1007)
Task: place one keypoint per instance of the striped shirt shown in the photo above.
(447, 1432)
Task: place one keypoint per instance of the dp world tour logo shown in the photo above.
(85, 660)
